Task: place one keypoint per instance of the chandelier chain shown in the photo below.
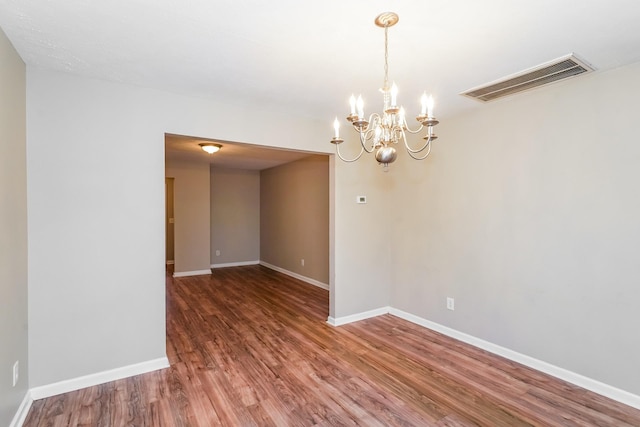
(386, 58)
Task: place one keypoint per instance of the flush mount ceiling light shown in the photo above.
(210, 147)
(382, 131)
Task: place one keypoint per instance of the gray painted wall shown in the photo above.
(235, 215)
(13, 229)
(528, 214)
(191, 195)
(294, 217)
(361, 270)
(96, 228)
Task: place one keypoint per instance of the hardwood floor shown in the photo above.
(250, 347)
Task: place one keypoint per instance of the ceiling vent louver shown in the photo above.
(558, 69)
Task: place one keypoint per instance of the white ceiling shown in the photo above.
(308, 57)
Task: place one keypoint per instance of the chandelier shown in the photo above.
(382, 131)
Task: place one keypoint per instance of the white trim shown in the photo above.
(23, 410)
(170, 262)
(309, 280)
(98, 378)
(564, 374)
(191, 273)
(235, 264)
(339, 321)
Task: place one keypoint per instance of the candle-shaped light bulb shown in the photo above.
(423, 103)
(336, 128)
(401, 114)
(360, 105)
(430, 103)
(352, 103)
(394, 94)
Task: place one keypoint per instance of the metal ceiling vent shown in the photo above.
(558, 69)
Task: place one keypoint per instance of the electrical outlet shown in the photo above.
(302, 262)
(450, 303)
(218, 252)
(15, 373)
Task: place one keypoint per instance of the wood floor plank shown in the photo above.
(249, 346)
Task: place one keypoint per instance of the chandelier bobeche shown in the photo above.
(381, 132)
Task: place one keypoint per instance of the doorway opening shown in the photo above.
(248, 205)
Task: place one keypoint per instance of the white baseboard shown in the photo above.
(23, 410)
(339, 321)
(555, 371)
(309, 280)
(235, 264)
(191, 273)
(98, 378)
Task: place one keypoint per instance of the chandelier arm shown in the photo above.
(419, 150)
(423, 157)
(367, 134)
(375, 117)
(406, 127)
(399, 130)
(348, 160)
(364, 137)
